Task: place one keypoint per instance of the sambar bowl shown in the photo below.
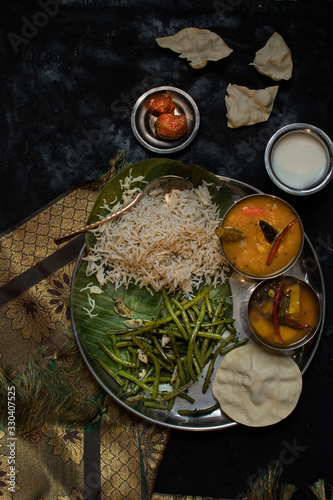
(261, 236)
(284, 313)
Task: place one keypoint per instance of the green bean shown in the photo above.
(196, 299)
(194, 328)
(132, 349)
(167, 319)
(172, 400)
(114, 357)
(115, 349)
(184, 316)
(159, 349)
(176, 392)
(126, 385)
(109, 371)
(196, 310)
(196, 366)
(215, 323)
(171, 403)
(185, 396)
(172, 313)
(212, 362)
(218, 309)
(209, 352)
(149, 325)
(198, 413)
(134, 388)
(124, 344)
(156, 377)
(220, 329)
(231, 328)
(209, 335)
(192, 315)
(146, 348)
(184, 363)
(204, 346)
(158, 406)
(178, 359)
(164, 379)
(209, 306)
(190, 349)
(166, 331)
(136, 380)
(198, 357)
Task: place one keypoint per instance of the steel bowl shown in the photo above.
(268, 273)
(301, 336)
(143, 123)
(296, 184)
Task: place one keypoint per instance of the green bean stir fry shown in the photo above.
(162, 358)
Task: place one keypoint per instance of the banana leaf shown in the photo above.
(142, 303)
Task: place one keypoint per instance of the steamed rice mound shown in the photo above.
(165, 241)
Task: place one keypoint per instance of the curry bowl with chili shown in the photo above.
(284, 312)
(261, 236)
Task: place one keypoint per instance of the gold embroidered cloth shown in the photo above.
(62, 437)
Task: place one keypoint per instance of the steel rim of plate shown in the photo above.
(305, 351)
(181, 143)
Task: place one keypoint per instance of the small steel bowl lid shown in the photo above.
(312, 131)
(143, 123)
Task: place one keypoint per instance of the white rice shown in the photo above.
(165, 241)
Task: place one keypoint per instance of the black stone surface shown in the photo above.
(71, 72)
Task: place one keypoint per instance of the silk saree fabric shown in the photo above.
(62, 437)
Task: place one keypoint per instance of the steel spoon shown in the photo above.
(166, 183)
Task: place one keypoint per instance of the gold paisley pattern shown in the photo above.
(32, 241)
(57, 298)
(68, 444)
(34, 436)
(28, 317)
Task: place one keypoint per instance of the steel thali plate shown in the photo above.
(307, 268)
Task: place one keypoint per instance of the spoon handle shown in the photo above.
(69, 236)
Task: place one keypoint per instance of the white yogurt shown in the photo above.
(299, 160)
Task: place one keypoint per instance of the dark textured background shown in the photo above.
(69, 79)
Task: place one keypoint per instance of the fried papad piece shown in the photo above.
(196, 45)
(248, 106)
(256, 386)
(274, 59)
